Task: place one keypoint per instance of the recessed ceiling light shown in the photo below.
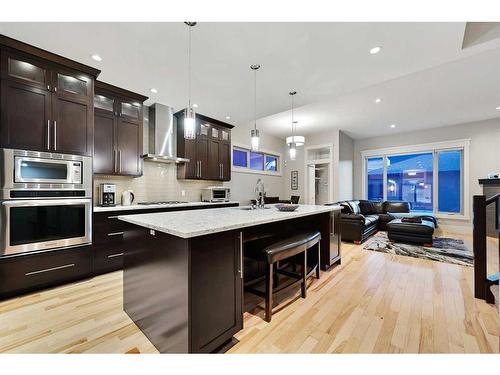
(378, 100)
(153, 90)
(392, 126)
(498, 108)
(195, 105)
(375, 50)
(228, 117)
(96, 57)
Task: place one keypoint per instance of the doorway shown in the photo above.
(319, 175)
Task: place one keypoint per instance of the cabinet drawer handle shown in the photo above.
(115, 234)
(49, 269)
(115, 255)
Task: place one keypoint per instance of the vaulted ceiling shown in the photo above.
(422, 74)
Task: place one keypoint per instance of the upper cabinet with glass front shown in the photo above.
(47, 100)
(72, 85)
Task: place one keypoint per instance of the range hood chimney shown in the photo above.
(162, 135)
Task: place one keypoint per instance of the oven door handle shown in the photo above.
(46, 202)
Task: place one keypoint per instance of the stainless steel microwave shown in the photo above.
(22, 170)
(215, 194)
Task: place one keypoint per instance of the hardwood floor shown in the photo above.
(372, 303)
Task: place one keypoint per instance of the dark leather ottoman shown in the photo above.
(420, 233)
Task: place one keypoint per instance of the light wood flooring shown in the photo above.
(372, 303)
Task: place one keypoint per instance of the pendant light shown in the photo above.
(254, 134)
(189, 114)
(292, 146)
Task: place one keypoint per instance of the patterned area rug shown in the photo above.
(443, 249)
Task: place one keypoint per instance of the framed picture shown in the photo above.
(294, 180)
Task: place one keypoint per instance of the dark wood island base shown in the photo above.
(186, 294)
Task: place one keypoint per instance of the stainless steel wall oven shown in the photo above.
(45, 201)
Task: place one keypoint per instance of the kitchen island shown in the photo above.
(183, 271)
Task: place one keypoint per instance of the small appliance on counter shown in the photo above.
(215, 194)
(127, 197)
(494, 175)
(107, 195)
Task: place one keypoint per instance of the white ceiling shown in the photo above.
(422, 74)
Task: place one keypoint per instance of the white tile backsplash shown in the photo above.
(158, 183)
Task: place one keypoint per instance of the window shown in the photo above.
(375, 170)
(254, 161)
(240, 158)
(271, 163)
(431, 178)
(409, 178)
(450, 181)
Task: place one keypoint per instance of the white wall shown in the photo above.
(484, 154)
(346, 167)
(243, 184)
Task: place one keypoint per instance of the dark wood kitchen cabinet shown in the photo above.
(46, 100)
(118, 122)
(209, 154)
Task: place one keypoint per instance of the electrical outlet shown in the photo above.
(183, 193)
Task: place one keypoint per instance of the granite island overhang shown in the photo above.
(183, 271)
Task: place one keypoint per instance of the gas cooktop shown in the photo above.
(162, 202)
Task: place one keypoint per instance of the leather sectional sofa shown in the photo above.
(362, 218)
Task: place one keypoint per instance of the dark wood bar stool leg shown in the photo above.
(319, 260)
(269, 292)
(304, 275)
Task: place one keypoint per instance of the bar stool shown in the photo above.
(281, 250)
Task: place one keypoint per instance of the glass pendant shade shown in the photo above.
(189, 124)
(254, 139)
(299, 140)
(292, 151)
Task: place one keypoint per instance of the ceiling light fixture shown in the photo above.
(96, 57)
(254, 133)
(189, 114)
(378, 100)
(498, 108)
(195, 105)
(154, 91)
(228, 117)
(375, 50)
(392, 126)
(299, 140)
(292, 145)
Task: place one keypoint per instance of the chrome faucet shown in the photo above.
(260, 193)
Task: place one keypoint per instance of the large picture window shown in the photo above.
(432, 181)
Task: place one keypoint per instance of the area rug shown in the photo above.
(443, 249)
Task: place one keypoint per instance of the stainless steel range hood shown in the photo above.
(162, 135)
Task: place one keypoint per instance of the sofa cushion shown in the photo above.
(396, 206)
(366, 207)
(385, 218)
(371, 219)
(354, 207)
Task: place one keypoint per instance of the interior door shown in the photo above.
(311, 184)
(25, 116)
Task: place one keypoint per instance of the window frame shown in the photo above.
(264, 153)
(434, 148)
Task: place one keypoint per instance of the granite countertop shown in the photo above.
(193, 223)
(152, 206)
